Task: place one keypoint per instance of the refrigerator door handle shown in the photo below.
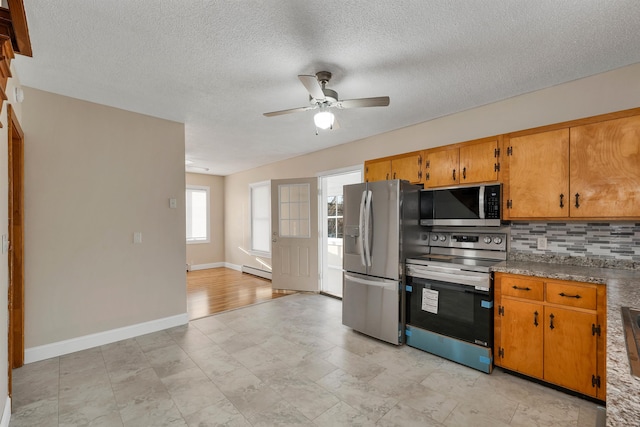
(367, 225)
(360, 227)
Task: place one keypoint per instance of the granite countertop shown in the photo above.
(623, 289)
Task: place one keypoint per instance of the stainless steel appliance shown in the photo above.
(449, 295)
(477, 205)
(381, 228)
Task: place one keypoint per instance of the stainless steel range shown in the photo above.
(449, 295)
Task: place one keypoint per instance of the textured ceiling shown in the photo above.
(218, 65)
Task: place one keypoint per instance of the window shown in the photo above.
(197, 201)
(334, 217)
(294, 210)
(260, 194)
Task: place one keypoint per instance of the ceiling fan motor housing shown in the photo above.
(330, 96)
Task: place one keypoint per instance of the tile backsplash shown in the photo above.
(609, 242)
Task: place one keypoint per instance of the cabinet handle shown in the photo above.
(427, 177)
(420, 175)
(577, 200)
(517, 288)
(551, 317)
(535, 319)
(454, 174)
(562, 200)
(394, 175)
(464, 173)
(562, 294)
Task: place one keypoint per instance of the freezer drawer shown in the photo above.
(372, 306)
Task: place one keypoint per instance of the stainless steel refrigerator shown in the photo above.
(381, 229)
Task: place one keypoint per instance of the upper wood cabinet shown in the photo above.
(467, 163)
(406, 166)
(581, 172)
(605, 169)
(538, 170)
(377, 170)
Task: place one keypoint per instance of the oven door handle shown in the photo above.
(458, 278)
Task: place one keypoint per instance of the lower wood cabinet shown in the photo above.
(552, 330)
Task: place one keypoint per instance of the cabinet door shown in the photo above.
(441, 168)
(538, 184)
(570, 349)
(479, 162)
(377, 170)
(408, 168)
(605, 169)
(521, 337)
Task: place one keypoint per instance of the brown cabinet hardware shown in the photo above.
(551, 317)
(496, 167)
(562, 294)
(454, 174)
(535, 319)
(394, 175)
(562, 200)
(518, 288)
(464, 173)
(577, 200)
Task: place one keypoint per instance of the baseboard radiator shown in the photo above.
(256, 272)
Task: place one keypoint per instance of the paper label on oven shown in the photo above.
(430, 301)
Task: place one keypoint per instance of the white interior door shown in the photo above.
(294, 234)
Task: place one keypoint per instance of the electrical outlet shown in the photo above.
(542, 243)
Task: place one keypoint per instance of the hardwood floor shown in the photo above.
(220, 289)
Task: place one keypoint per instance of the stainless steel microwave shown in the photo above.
(476, 205)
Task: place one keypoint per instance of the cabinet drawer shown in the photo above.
(580, 296)
(522, 288)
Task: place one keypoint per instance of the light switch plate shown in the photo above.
(137, 237)
(173, 203)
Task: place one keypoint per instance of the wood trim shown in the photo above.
(20, 27)
(16, 239)
(578, 122)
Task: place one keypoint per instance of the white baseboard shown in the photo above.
(256, 272)
(206, 266)
(233, 266)
(47, 351)
(6, 413)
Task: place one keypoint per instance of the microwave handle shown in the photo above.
(481, 202)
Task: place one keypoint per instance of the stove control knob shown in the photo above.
(434, 237)
(443, 238)
(497, 240)
(487, 239)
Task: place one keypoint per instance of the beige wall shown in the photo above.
(4, 230)
(202, 254)
(612, 91)
(94, 175)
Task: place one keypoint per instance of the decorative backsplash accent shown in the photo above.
(585, 243)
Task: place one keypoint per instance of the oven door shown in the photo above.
(455, 310)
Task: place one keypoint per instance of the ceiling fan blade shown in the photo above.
(380, 101)
(313, 86)
(289, 111)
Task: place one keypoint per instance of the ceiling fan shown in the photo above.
(323, 99)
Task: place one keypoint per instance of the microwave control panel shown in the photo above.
(492, 202)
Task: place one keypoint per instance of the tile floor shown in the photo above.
(284, 362)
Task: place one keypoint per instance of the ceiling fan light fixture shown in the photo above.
(324, 119)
